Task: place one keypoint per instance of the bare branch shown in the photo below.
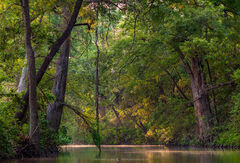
(81, 24)
(81, 115)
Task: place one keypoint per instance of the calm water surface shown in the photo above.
(138, 154)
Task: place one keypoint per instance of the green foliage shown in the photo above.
(137, 49)
(231, 5)
(235, 112)
(50, 138)
(6, 149)
(63, 138)
(134, 79)
(9, 130)
(228, 134)
(96, 137)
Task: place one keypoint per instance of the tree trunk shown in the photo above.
(21, 112)
(22, 85)
(34, 137)
(200, 97)
(54, 111)
(199, 91)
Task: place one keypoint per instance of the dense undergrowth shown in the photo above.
(14, 142)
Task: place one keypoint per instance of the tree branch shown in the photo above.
(220, 85)
(81, 115)
(21, 112)
(81, 24)
(175, 83)
(182, 57)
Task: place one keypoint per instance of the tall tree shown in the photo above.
(21, 112)
(32, 83)
(54, 111)
(199, 92)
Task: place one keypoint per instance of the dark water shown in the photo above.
(138, 154)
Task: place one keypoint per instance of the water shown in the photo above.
(137, 154)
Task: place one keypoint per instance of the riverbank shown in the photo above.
(221, 147)
(136, 153)
(160, 147)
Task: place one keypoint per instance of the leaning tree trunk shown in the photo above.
(22, 109)
(54, 111)
(34, 137)
(199, 91)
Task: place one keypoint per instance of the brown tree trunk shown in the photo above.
(201, 98)
(21, 112)
(34, 137)
(199, 91)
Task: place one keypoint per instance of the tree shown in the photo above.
(54, 111)
(34, 136)
(199, 90)
(21, 113)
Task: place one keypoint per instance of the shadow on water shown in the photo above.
(135, 154)
(98, 154)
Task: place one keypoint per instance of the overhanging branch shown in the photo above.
(82, 24)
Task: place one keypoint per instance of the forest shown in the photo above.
(118, 72)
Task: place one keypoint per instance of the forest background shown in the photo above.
(118, 72)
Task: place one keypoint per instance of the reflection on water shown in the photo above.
(135, 154)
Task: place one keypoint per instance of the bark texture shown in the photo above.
(34, 137)
(199, 91)
(21, 112)
(54, 111)
(201, 98)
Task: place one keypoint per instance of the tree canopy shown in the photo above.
(118, 72)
